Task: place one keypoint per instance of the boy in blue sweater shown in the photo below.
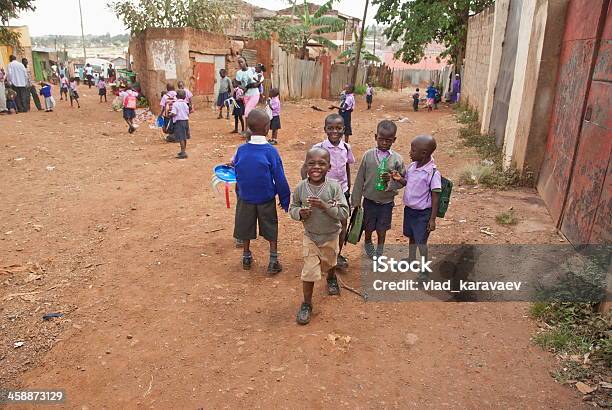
(260, 177)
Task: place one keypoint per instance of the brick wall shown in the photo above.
(477, 59)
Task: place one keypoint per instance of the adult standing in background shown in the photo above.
(111, 75)
(247, 78)
(456, 89)
(31, 87)
(2, 91)
(17, 77)
(89, 74)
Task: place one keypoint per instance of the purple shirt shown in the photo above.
(188, 95)
(369, 91)
(380, 155)
(164, 99)
(349, 102)
(419, 184)
(275, 105)
(180, 109)
(101, 84)
(339, 156)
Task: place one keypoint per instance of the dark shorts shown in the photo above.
(129, 113)
(221, 99)
(238, 110)
(102, 91)
(181, 130)
(248, 216)
(74, 95)
(346, 116)
(377, 217)
(415, 224)
(369, 99)
(275, 123)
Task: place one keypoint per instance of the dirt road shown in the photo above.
(135, 248)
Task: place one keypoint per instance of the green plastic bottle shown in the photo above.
(382, 168)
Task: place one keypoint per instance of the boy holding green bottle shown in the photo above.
(374, 183)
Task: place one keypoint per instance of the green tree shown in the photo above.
(209, 15)
(416, 23)
(349, 54)
(308, 27)
(10, 9)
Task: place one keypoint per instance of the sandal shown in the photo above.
(275, 267)
(247, 261)
(369, 249)
(303, 316)
(273, 142)
(332, 286)
(341, 262)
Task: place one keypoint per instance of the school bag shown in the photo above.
(355, 228)
(445, 194)
(130, 102)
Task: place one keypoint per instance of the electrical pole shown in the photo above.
(82, 34)
(360, 43)
(375, 33)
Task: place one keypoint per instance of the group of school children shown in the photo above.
(323, 199)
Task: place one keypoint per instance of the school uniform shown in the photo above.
(275, 105)
(420, 183)
(260, 178)
(180, 109)
(45, 91)
(128, 113)
(339, 156)
(369, 95)
(101, 88)
(346, 109)
(224, 89)
(320, 245)
(238, 110)
(377, 205)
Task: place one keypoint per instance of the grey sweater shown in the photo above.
(322, 225)
(365, 182)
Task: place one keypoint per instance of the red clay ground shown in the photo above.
(136, 250)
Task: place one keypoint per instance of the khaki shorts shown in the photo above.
(318, 258)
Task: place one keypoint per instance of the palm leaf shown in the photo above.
(327, 24)
(325, 42)
(346, 53)
(324, 9)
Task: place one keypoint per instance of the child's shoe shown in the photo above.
(341, 262)
(332, 286)
(247, 261)
(274, 267)
(369, 249)
(303, 316)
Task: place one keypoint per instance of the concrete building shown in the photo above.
(194, 56)
(24, 51)
(243, 21)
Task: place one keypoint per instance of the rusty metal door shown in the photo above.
(503, 86)
(575, 175)
(204, 74)
(588, 210)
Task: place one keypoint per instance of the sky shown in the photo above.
(62, 16)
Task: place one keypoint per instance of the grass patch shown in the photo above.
(506, 218)
(360, 89)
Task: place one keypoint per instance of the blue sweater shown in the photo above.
(260, 175)
(46, 91)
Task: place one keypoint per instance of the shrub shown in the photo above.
(360, 89)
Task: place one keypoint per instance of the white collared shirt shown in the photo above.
(258, 140)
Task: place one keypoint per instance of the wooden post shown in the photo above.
(360, 43)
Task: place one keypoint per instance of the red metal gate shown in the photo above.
(204, 78)
(575, 177)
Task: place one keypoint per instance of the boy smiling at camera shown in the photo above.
(320, 204)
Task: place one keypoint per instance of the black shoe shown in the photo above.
(303, 316)
(369, 249)
(341, 262)
(274, 267)
(332, 286)
(247, 261)
(181, 155)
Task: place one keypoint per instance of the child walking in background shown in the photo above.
(416, 98)
(102, 89)
(321, 206)
(373, 182)
(129, 100)
(188, 95)
(73, 92)
(421, 196)
(341, 157)
(166, 102)
(431, 96)
(260, 178)
(345, 109)
(64, 84)
(45, 91)
(238, 110)
(369, 95)
(180, 118)
(275, 122)
(225, 88)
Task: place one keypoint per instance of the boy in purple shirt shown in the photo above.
(347, 105)
(421, 196)
(275, 106)
(369, 95)
(180, 119)
(341, 157)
